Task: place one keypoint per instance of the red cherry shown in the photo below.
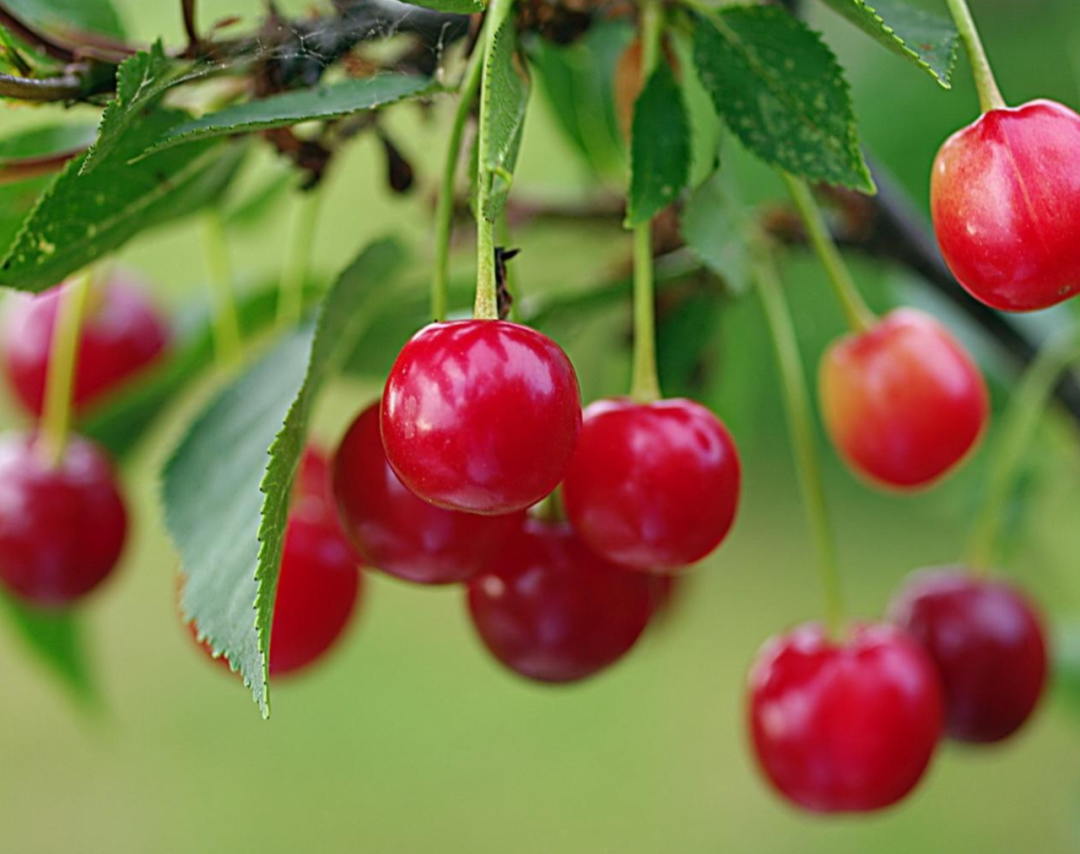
(481, 415)
(553, 611)
(62, 527)
(844, 727)
(988, 644)
(396, 531)
(1005, 200)
(122, 334)
(903, 402)
(652, 486)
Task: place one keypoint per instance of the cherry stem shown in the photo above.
(990, 97)
(63, 361)
(645, 381)
(858, 313)
(225, 325)
(444, 210)
(298, 261)
(1028, 403)
(800, 428)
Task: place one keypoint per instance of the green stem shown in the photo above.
(989, 94)
(1018, 425)
(645, 380)
(298, 261)
(800, 427)
(63, 361)
(444, 210)
(225, 324)
(858, 314)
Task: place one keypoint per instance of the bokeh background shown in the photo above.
(411, 739)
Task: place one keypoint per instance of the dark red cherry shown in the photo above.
(62, 527)
(121, 335)
(988, 644)
(397, 532)
(552, 611)
(652, 486)
(902, 402)
(1005, 200)
(845, 726)
(481, 415)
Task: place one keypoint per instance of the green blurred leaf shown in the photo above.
(781, 91)
(226, 487)
(290, 108)
(82, 217)
(454, 7)
(44, 141)
(714, 228)
(659, 147)
(927, 39)
(70, 17)
(506, 98)
(56, 639)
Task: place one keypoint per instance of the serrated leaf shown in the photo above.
(290, 108)
(82, 217)
(781, 91)
(226, 487)
(927, 39)
(453, 7)
(714, 228)
(16, 202)
(659, 147)
(56, 639)
(69, 17)
(506, 98)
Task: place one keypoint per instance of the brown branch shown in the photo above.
(194, 45)
(26, 168)
(33, 38)
(67, 87)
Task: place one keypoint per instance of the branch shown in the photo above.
(194, 44)
(32, 167)
(33, 38)
(67, 87)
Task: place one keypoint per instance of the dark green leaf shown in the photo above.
(927, 39)
(780, 90)
(226, 488)
(506, 97)
(55, 638)
(16, 202)
(454, 7)
(713, 227)
(69, 18)
(290, 108)
(659, 147)
(82, 217)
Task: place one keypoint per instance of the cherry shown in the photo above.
(122, 334)
(844, 726)
(988, 644)
(903, 402)
(552, 611)
(396, 531)
(1005, 200)
(652, 486)
(62, 526)
(481, 415)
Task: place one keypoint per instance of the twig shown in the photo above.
(194, 45)
(25, 168)
(33, 38)
(66, 87)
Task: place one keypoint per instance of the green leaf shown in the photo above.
(927, 39)
(506, 96)
(44, 141)
(659, 147)
(453, 7)
(781, 91)
(69, 18)
(290, 108)
(714, 228)
(226, 487)
(55, 638)
(16, 202)
(82, 217)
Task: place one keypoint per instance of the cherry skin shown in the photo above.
(481, 415)
(552, 611)
(902, 402)
(848, 726)
(62, 527)
(988, 644)
(652, 486)
(1005, 200)
(123, 333)
(399, 533)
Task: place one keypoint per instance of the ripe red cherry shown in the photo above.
(552, 611)
(902, 402)
(1005, 199)
(652, 486)
(397, 532)
(848, 726)
(481, 415)
(122, 334)
(62, 527)
(988, 644)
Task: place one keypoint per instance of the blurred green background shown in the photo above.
(411, 739)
